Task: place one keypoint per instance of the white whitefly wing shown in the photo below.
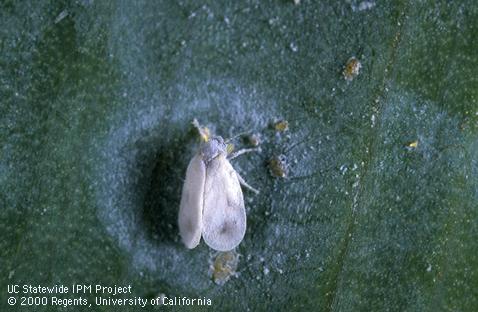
(191, 206)
(224, 214)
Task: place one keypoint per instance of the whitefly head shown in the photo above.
(213, 148)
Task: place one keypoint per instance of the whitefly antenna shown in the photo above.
(236, 136)
(203, 131)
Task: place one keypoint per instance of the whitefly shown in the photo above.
(212, 203)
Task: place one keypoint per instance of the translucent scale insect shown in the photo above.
(212, 204)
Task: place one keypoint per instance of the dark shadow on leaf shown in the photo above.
(163, 194)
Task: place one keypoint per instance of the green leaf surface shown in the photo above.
(97, 99)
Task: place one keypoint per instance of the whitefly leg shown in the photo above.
(243, 151)
(244, 183)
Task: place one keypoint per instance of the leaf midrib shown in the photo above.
(377, 105)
